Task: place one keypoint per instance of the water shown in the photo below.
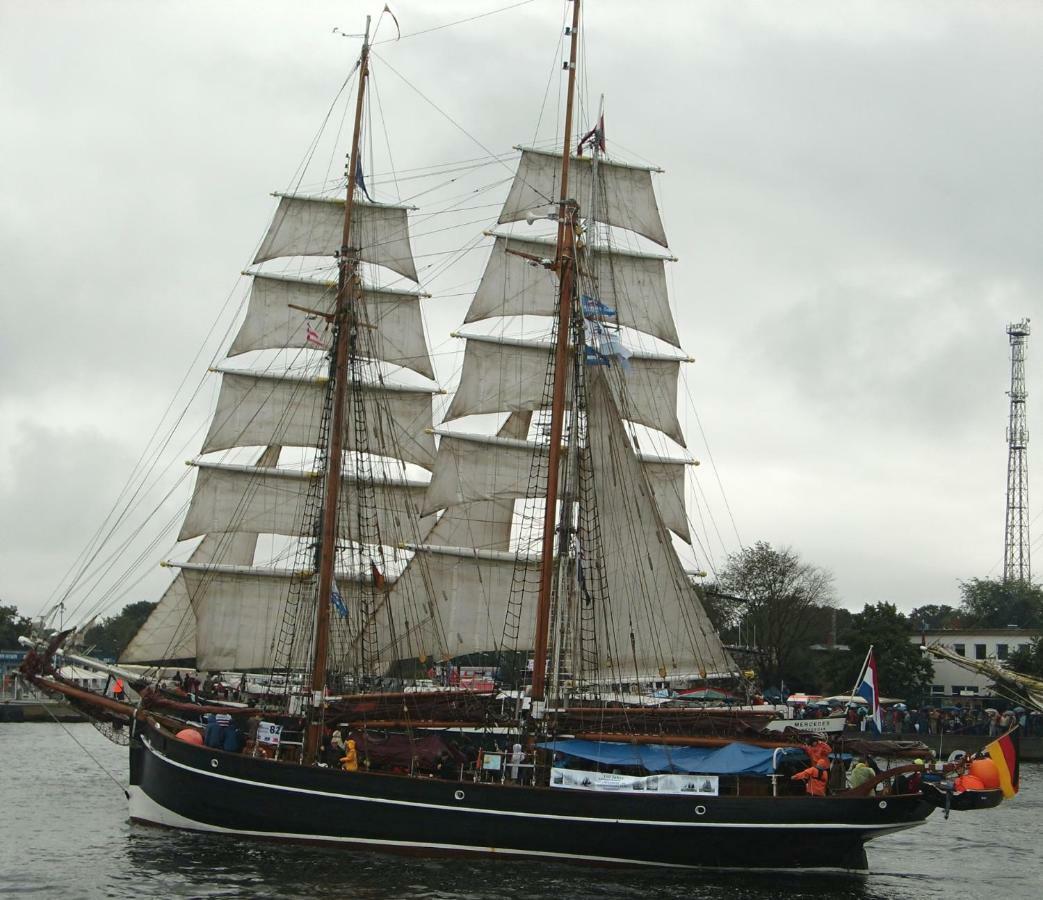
(64, 834)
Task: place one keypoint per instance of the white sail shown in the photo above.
(254, 409)
(454, 601)
(479, 522)
(654, 621)
(393, 325)
(252, 500)
(314, 226)
(631, 283)
(169, 632)
(625, 198)
(501, 375)
(239, 611)
(475, 467)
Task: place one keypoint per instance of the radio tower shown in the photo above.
(1016, 550)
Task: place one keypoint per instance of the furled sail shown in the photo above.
(314, 226)
(654, 620)
(257, 408)
(631, 283)
(393, 326)
(503, 374)
(625, 197)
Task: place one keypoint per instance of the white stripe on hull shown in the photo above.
(578, 820)
(145, 810)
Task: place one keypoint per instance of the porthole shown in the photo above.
(459, 795)
(883, 804)
(213, 763)
(700, 810)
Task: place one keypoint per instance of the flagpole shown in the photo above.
(862, 671)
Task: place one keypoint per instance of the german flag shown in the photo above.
(1004, 753)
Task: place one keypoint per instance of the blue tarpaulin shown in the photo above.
(731, 759)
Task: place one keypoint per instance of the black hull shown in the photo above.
(962, 801)
(185, 786)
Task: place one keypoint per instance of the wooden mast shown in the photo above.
(565, 263)
(344, 317)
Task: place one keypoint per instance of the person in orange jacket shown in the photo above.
(350, 760)
(815, 777)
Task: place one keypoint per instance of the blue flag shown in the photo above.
(594, 308)
(338, 603)
(359, 180)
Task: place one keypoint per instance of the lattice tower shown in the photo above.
(1016, 565)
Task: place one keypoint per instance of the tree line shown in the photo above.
(106, 639)
(782, 616)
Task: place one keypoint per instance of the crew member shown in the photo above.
(860, 773)
(350, 760)
(815, 778)
(117, 690)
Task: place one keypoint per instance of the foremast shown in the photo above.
(345, 330)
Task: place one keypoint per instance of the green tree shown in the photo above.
(905, 671)
(783, 601)
(1028, 660)
(12, 626)
(722, 610)
(993, 603)
(935, 615)
(110, 637)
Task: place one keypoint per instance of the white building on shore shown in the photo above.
(950, 682)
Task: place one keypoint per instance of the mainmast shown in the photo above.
(565, 263)
(345, 327)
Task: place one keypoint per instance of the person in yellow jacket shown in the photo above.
(350, 760)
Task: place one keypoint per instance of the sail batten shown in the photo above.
(626, 199)
(314, 226)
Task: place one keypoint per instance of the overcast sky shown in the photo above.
(854, 192)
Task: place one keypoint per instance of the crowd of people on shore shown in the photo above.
(897, 718)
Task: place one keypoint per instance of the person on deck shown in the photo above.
(815, 778)
(860, 773)
(350, 760)
(118, 692)
(337, 749)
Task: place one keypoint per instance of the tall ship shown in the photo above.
(458, 627)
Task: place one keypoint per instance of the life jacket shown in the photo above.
(821, 778)
(117, 688)
(817, 777)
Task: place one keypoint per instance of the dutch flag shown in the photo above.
(868, 687)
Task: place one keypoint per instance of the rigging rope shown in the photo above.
(96, 761)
